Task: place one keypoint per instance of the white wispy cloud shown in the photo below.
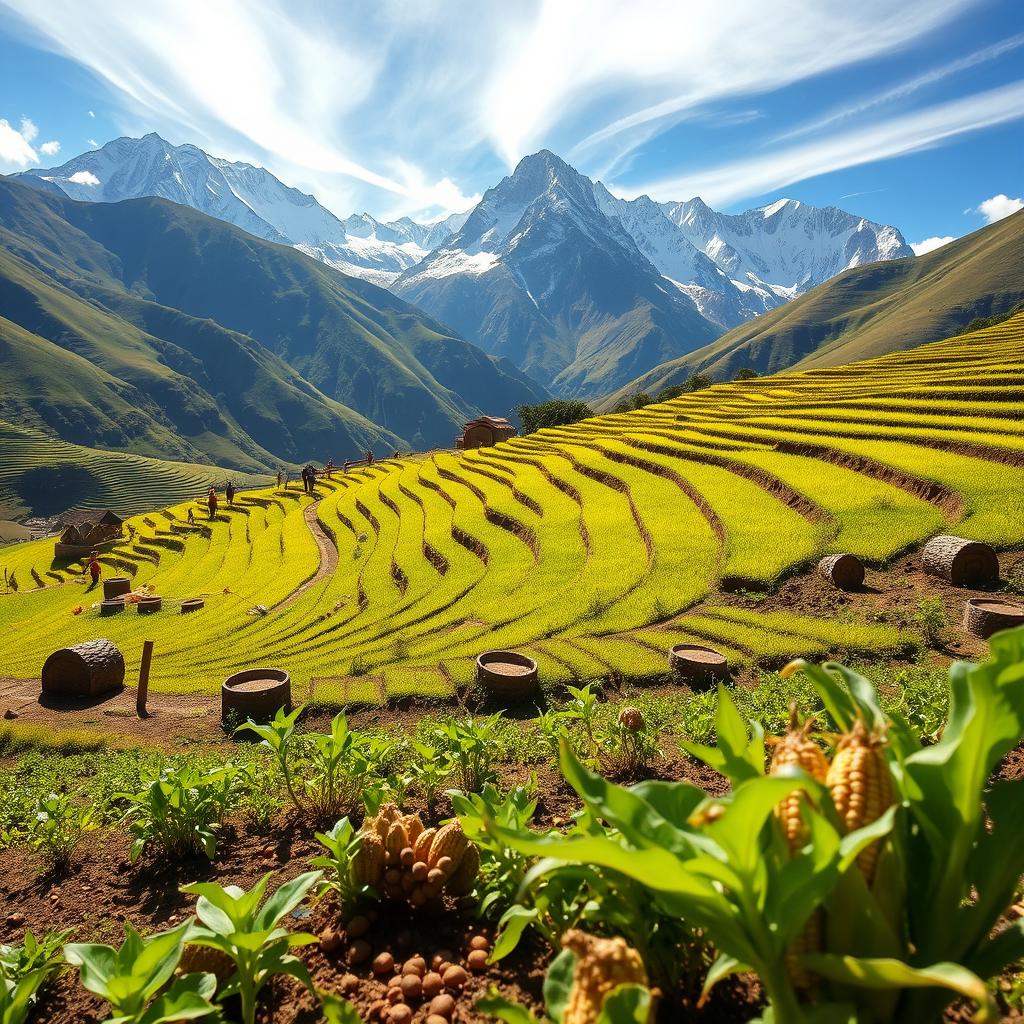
(909, 133)
(904, 89)
(92, 113)
(93, 143)
(342, 104)
(50, 148)
(16, 152)
(84, 178)
(997, 208)
(28, 130)
(928, 244)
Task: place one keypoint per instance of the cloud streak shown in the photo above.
(909, 133)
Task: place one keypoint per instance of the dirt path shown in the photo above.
(328, 557)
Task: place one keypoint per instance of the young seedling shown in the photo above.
(133, 979)
(233, 921)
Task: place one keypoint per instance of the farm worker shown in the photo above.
(231, 493)
(191, 516)
(211, 501)
(369, 457)
(94, 568)
(279, 479)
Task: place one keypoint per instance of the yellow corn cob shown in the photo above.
(396, 841)
(464, 875)
(422, 845)
(798, 749)
(861, 785)
(367, 866)
(413, 827)
(601, 966)
(450, 841)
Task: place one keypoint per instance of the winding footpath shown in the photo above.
(328, 557)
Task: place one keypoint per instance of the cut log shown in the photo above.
(843, 571)
(85, 670)
(151, 603)
(193, 604)
(112, 607)
(964, 563)
(984, 616)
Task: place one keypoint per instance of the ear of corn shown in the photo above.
(413, 827)
(367, 866)
(396, 841)
(601, 966)
(450, 841)
(462, 878)
(860, 782)
(421, 848)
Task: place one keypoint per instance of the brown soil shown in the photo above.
(255, 685)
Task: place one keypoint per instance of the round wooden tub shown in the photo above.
(111, 606)
(984, 616)
(193, 604)
(116, 586)
(699, 666)
(256, 693)
(150, 604)
(507, 674)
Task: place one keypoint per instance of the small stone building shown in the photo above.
(485, 431)
(89, 530)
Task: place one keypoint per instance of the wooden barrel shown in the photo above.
(148, 605)
(699, 666)
(193, 604)
(507, 674)
(964, 563)
(116, 586)
(112, 606)
(843, 571)
(984, 616)
(255, 693)
(84, 670)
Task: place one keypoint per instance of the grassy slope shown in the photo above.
(41, 475)
(231, 336)
(593, 547)
(867, 312)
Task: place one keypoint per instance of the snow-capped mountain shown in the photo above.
(787, 247)
(249, 197)
(539, 274)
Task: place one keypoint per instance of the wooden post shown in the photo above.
(147, 657)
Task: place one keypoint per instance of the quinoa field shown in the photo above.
(593, 548)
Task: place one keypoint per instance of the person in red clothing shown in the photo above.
(211, 501)
(94, 569)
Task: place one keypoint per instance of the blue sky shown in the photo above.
(908, 113)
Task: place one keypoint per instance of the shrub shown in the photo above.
(931, 619)
(470, 745)
(558, 412)
(180, 810)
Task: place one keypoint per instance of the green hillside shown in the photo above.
(184, 337)
(593, 547)
(45, 477)
(866, 312)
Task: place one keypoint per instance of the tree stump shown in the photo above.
(843, 571)
(193, 604)
(148, 605)
(984, 616)
(112, 606)
(964, 563)
(85, 670)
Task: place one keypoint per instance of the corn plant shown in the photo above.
(581, 710)
(278, 736)
(626, 746)
(470, 744)
(25, 970)
(57, 826)
(134, 979)
(180, 810)
(900, 948)
(233, 921)
(342, 844)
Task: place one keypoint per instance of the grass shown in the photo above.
(594, 547)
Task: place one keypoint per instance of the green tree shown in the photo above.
(746, 373)
(559, 412)
(698, 381)
(667, 394)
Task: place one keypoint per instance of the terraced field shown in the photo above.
(593, 547)
(45, 476)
